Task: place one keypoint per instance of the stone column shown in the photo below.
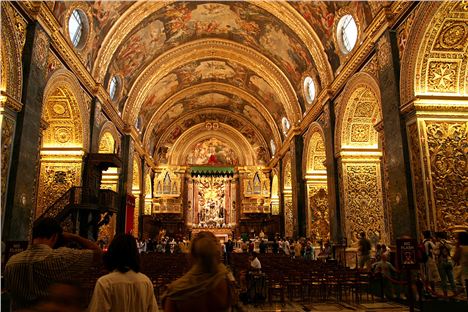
(125, 181)
(328, 123)
(396, 157)
(298, 187)
(21, 197)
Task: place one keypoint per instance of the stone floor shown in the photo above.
(327, 307)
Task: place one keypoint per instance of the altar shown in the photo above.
(222, 234)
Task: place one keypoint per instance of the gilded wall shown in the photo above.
(363, 201)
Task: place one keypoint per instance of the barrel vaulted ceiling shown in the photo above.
(183, 63)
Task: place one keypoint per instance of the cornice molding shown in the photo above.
(8, 101)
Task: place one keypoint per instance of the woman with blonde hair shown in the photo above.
(206, 286)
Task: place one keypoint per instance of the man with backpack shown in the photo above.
(430, 266)
(444, 262)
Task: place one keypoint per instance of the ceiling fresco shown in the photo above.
(182, 22)
(207, 71)
(104, 15)
(321, 15)
(231, 103)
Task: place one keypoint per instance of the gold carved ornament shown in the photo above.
(447, 148)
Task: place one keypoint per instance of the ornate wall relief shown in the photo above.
(417, 174)
(6, 141)
(320, 219)
(447, 150)
(363, 201)
(167, 190)
(56, 177)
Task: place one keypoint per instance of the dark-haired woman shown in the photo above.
(125, 288)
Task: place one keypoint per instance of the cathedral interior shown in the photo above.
(303, 119)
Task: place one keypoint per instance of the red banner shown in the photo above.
(129, 214)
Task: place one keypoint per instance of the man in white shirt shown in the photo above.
(255, 264)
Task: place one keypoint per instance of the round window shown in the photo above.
(286, 125)
(77, 27)
(309, 89)
(273, 147)
(347, 33)
(113, 88)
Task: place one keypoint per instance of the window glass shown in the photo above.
(309, 89)
(75, 27)
(347, 32)
(113, 87)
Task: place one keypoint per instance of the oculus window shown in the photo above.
(347, 33)
(77, 27)
(309, 89)
(113, 85)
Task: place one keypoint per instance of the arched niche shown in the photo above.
(109, 143)
(109, 139)
(359, 160)
(231, 137)
(64, 139)
(318, 220)
(287, 194)
(434, 95)
(275, 209)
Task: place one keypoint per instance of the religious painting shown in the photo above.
(212, 152)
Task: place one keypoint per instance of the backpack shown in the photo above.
(421, 254)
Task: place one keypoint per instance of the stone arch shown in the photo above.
(137, 12)
(439, 28)
(359, 112)
(434, 89)
(209, 49)
(64, 140)
(212, 86)
(315, 176)
(359, 160)
(12, 41)
(239, 144)
(66, 112)
(109, 132)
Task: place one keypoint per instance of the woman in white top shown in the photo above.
(125, 288)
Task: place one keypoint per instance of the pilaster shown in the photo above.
(298, 187)
(21, 196)
(331, 164)
(124, 181)
(396, 165)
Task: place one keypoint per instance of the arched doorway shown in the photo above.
(318, 220)
(64, 139)
(359, 161)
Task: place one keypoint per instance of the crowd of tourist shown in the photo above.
(41, 278)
